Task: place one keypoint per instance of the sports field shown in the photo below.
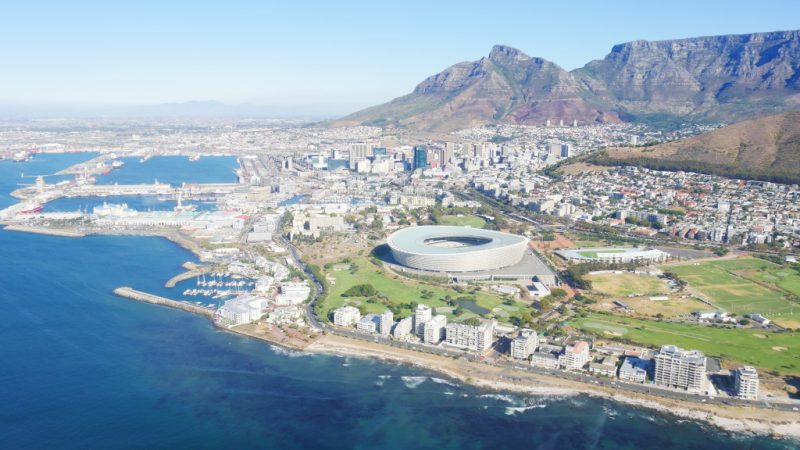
(771, 351)
(625, 284)
(731, 285)
(463, 221)
(402, 291)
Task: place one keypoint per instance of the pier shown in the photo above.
(140, 296)
(191, 273)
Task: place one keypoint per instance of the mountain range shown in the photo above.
(705, 79)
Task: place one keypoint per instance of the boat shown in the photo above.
(117, 164)
(194, 158)
(31, 207)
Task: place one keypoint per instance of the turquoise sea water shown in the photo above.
(82, 368)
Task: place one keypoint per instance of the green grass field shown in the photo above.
(402, 290)
(625, 284)
(463, 221)
(771, 351)
(729, 284)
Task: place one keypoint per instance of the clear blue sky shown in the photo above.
(337, 55)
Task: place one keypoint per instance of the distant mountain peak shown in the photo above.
(506, 53)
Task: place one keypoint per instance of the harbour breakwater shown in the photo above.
(133, 294)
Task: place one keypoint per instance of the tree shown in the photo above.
(721, 251)
(360, 290)
(558, 293)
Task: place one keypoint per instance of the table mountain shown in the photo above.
(719, 78)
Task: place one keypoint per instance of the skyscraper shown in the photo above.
(420, 157)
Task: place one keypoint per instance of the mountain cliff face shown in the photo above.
(507, 86)
(699, 79)
(718, 77)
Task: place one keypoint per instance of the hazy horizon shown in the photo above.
(312, 59)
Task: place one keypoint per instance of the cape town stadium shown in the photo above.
(441, 248)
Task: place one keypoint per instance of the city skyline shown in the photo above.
(311, 58)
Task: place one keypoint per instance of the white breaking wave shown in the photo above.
(502, 397)
(449, 393)
(413, 382)
(514, 410)
(443, 381)
(286, 352)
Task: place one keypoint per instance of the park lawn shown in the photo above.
(399, 291)
(771, 351)
(783, 277)
(625, 284)
(463, 221)
(722, 283)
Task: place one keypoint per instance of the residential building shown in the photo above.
(574, 356)
(679, 368)
(435, 329)
(524, 344)
(403, 328)
(745, 380)
(386, 322)
(606, 366)
(422, 315)
(369, 323)
(473, 337)
(346, 316)
(546, 360)
(241, 310)
(635, 369)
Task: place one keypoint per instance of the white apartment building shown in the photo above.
(346, 316)
(385, 323)
(241, 310)
(403, 328)
(634, 369)
(422, 315)
(679, 368)
(524, 344)
(434, 329)
(369, 323)
(574, 356)
(546, 360)
(745, 381)
(473, 337)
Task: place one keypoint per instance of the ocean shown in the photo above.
(82, 368)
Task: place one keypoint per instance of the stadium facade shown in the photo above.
(439, 248)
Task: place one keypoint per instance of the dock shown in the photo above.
(189, 274)
(140, 296)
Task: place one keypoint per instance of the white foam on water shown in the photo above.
(413, 382)
(443, 381)
(514, 410)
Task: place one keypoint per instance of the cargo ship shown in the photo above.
(31, 207)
